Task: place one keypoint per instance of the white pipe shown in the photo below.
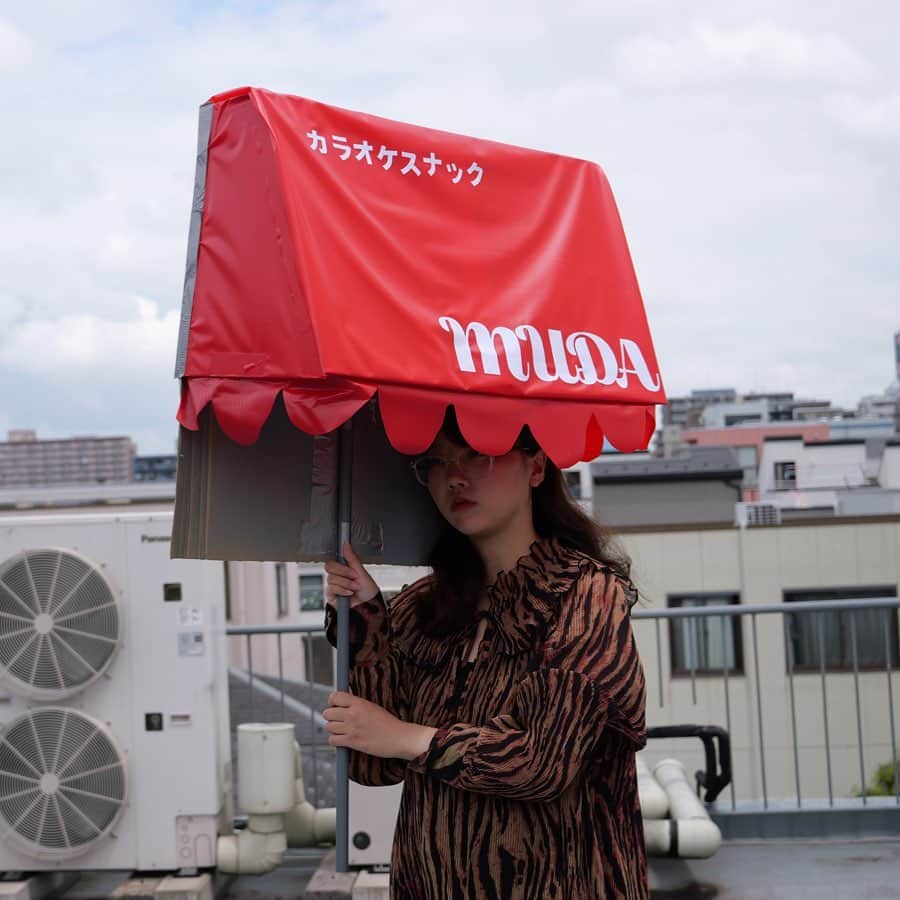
(253, 851)
(270, 785)
(266, 767)
(654, 802)
(658, 837)
(690, 833)
(305, 825)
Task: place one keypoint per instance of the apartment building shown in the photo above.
(27, 461)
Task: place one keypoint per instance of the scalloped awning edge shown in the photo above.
(568, 431)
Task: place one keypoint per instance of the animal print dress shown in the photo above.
(528, 790)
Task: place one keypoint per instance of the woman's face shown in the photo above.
(479, 498)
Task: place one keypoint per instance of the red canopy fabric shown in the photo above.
(340, 254)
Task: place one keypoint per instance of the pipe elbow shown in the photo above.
(689, 833)
(325, 825)
(698, 838)
(250, 852)
(307, 826)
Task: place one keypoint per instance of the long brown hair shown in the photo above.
(459, 571)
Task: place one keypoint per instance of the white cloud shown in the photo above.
(17, 51)
(77, 345)
(11, 309)
(875, 119)
(762, 50)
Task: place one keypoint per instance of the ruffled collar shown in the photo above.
(523, 603)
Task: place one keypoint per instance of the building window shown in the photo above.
(747, 460)
(312, 592)
(227, 592)
(812, 633)
(785, 475)
(698, 644)
(281, 589)
(741, 419)
(320, 662)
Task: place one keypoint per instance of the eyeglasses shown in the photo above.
(471, 465)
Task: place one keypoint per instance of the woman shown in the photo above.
(505, 691)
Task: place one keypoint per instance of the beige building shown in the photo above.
(783, 565)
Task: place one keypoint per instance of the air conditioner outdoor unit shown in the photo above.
(373, 818)
(115, 745)
(750, 514)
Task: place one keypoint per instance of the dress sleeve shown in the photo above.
(375, 675)
(590, 679)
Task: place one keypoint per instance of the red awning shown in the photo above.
(335, 255)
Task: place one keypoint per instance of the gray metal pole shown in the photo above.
(342, 804)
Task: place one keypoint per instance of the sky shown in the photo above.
(752, 149)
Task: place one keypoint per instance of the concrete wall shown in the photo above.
(889, 476)
(831, 466)
(716, 415)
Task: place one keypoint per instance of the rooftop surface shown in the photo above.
(784, 870)
(701, 461)
(790, 870)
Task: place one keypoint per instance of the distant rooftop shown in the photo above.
(713, 392)
(29, 435)
(701, 462)
(74, 495)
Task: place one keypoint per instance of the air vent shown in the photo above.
(763, 514)
(59, 624)
(62, 782)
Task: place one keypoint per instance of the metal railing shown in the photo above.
(826, 674)
(314, 696)
(316, 692)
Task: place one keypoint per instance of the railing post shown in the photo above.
(659, 664)
(789, 647)
(759, 719)
(727, 699)
(890, 629)
(819, 620)
(280, 674)
(692, 628)
(859, 734)
(250, 671)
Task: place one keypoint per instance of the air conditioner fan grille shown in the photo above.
(59, 621)
(62, 780)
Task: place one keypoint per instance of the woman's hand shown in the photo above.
(361, 725)
(351, 580)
